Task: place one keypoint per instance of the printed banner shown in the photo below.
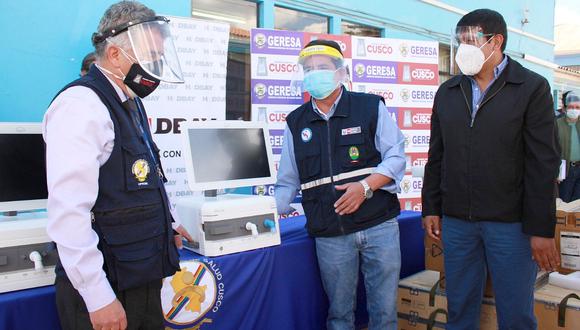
(404, 72)
(202, 48)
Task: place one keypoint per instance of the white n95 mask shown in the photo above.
(470, 59)
(572, 114)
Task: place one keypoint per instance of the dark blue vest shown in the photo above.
(326, 148)
(131, 214)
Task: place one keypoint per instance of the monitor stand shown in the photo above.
(229, 223)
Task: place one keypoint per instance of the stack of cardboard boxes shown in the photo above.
(568, 240)
(434, 261)
(422, 303)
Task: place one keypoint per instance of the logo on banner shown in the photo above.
(386, 94)
(192, 293)
(260, 190)
(277, 117)
(283, 67)
(423, 96)
(260, 40)
(405, 94)
(420, 162)
(406, 185)
(422, 118)
(379, 49)
(276, 140)
(267, 190)
(306, 134)
(359, 70)
(260, 90)
(423, 74)
(404, 49)
(424, 51)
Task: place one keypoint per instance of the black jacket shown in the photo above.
(502, 167)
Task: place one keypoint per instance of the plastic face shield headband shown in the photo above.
(152, 46)
(471, 35)
(317, 58)
(322, 50)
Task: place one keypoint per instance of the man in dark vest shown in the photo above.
(347, 155)
(107, 206)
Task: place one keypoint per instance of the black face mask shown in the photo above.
(140, 82)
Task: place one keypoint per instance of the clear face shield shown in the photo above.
(154, 50)
(320, 70)
(152, 46)
(466, 45)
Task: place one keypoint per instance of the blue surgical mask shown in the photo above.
(320, 83)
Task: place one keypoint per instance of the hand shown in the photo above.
(432, 226)
(182, 232)
(111, 316)
(544, 253)
(351, 200)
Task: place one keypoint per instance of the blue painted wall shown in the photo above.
(44, 41)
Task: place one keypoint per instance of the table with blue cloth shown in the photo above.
(271, 288)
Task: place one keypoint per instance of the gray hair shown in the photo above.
(118, 14)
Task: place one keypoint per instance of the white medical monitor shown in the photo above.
(22, 167)
(227, 154)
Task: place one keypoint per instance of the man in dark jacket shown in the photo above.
(491, 170)
(569, 136)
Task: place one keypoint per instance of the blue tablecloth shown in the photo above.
(271, 288)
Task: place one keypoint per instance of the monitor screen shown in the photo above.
(22, 167)
(227, 155)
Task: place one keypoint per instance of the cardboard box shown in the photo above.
(561, 218)
(433, 254)
(567, 238)
(568, 244)
(557, 308)
(434, 261)
(422, 304)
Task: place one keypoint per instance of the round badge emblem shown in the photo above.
(260, 90)
(404, 49)
(140, 169)
(353, 153)
(359, 69)
(405, 95)
(260, 40)
(306, 134)
(191, 295)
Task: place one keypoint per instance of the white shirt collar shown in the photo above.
(118, 89)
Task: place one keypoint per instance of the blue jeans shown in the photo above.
(473, 248)
(379, 253)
